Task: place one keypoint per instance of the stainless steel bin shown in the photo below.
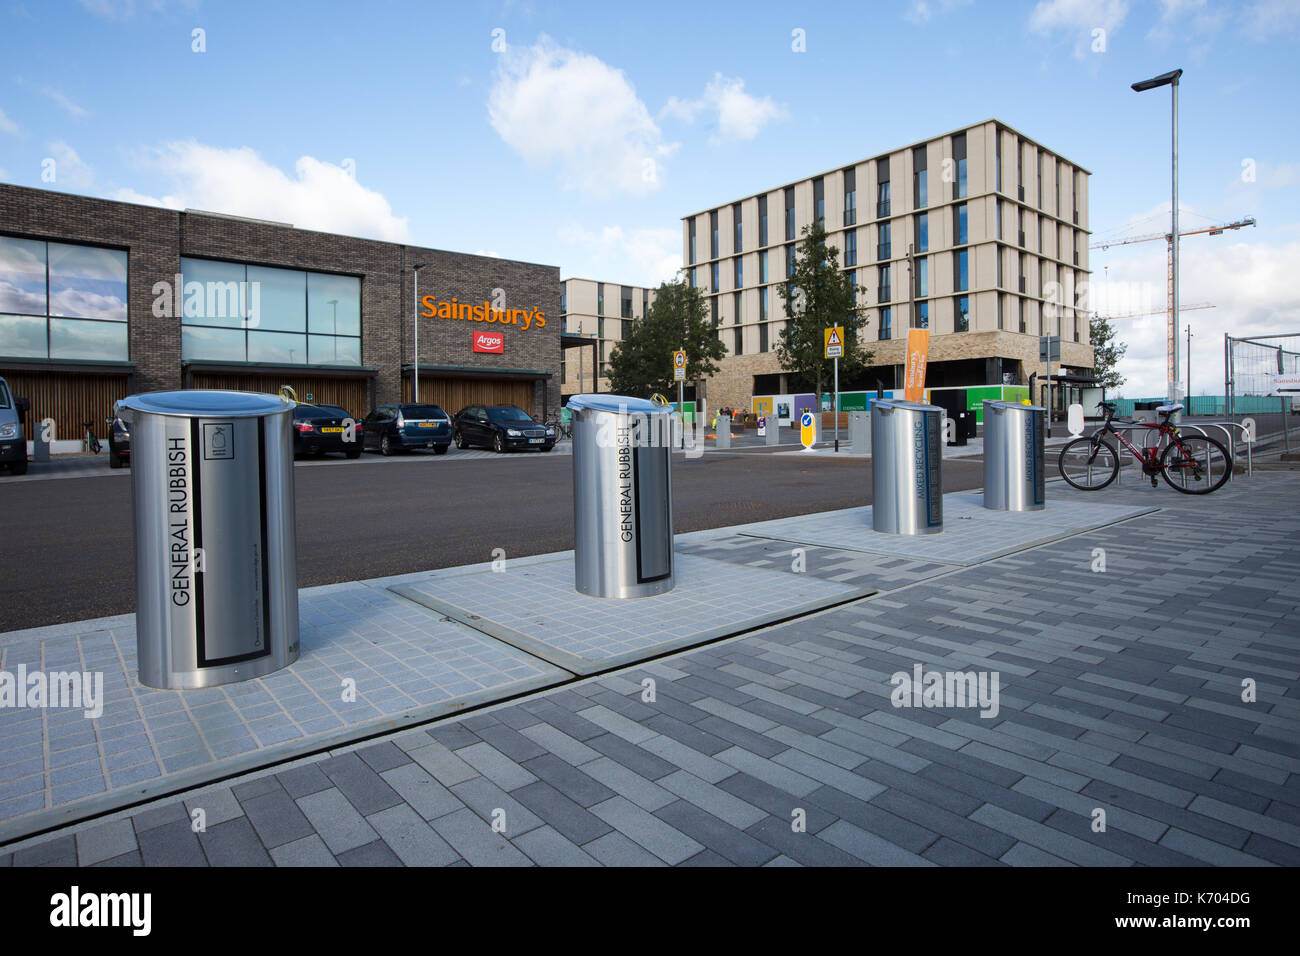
(215, 551)
(906, 467)
(1014, 465)
(622, 496)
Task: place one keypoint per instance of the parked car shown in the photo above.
(321, 429)
(13, 443)
(119, 443)
(501, 428)
(393, 428)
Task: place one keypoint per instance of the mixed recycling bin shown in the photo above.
(1014, 465)
(215, 550)
(906, 467)
(622, 496)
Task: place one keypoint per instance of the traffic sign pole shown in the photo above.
(835, 405)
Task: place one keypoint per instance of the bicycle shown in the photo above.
(562, 431)
(1191, 464)
(91, 441)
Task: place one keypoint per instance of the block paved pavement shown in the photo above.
(1121, 655)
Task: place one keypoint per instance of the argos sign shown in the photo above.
(455, 309)
(489, 342)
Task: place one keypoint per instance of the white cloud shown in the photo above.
(1269, 19)
(70, 107)
(740, 116)
(7, 125)
(236, 181)
(1076, 19)
(635, 256)
(70, 170)
(560, 108)
(1251, 285)
(922, 11)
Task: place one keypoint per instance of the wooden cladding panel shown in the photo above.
(350, 394)
(68, 398)
(453, 394)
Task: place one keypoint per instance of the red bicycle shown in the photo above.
(1192, 464)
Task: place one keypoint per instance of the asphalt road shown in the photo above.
(66, 547)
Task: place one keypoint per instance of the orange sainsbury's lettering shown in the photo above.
(455, 309)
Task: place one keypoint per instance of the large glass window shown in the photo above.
(959, 154)
(923, 232)
(920, 179)
(762, 266)
(886, 294)
(819, 201)
(713, 277)
(959, 223)
(883, 247)
(850, 197)
(62, 301)
(886, 323)
(739, 273)
(762, 221)
(851, 248)
(789, 212)
(923, 315)
(961, 322)
(238, 313)
(736, 216)
(922, 277)
(960, 276)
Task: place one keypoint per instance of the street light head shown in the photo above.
(1164, 79)
(418, 266)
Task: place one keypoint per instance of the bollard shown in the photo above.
(723, 432)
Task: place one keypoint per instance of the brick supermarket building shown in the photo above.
(101, 299)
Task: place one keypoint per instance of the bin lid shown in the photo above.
(206, 403)
(605, 402)
(1001, 405)
(904, 404)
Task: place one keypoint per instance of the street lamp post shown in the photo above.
(415, 366)
(1171, 80)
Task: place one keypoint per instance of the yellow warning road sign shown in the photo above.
(834, 337)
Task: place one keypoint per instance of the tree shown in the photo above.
(642, 363)
(817, 296)
(1107, 350)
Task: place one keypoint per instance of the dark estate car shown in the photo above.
(319, 429)
(502, 428)
(119, 443)
(392, 428)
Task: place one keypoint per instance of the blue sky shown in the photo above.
(578, 134)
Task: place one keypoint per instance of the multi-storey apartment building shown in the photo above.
(979, 235)
(596, 311)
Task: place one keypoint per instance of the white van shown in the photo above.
(13, 443)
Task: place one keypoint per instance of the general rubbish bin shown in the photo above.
(906, 467)
(216, 561)
(1014, 467)
(622, 496)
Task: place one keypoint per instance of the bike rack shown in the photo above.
(1200, 427)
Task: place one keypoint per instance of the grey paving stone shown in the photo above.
(707, 858)
(569, 780)
(1266, 848)
(553, 740)
(572, 821)
(512, 743)
(781, 777)
(132, 859)
(1022, 854)
(383, 756)
(276, 818)
(776, 802)
(105, 841)
(488, 800)
(1108, 795)
(1207, 850)
(300, 781)
(869, 847)
(946, 852)
(477, 842)
(496, 766)
(642, 760)
(363, 787)
(256, 787)
(159, 815)
(377, 853)
(807, 848)
(172, 844)
(447, 768)
(615, 849)
(545, 847)
(233, 843)
(644, 793)
(308, 851)
(712, 800)
(454, 735)
(828, 773)
(1046, 838)
(690, 735)
(57, 851)
(732, 844)
(411, 838)
(647, 830)
(424, 794)
(337, 820)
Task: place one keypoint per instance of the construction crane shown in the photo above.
(1171, 321)
(1164, 311)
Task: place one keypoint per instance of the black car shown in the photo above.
(119, 443)
(320, 429)
(501, 428)
(392, 428)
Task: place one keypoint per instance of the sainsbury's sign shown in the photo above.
(455, 309)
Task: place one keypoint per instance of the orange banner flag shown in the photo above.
(918, 352)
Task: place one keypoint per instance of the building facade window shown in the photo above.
(959, 270)
(997, 159)
(961, 237)
(882, 187)
(713, 310)
(886, 323)
(564, 301)
(739, 271)
(961, 314)
(600, 298)
(625, 302)
(959, 154)
(998, 255)
(789, 261)
(762, 267)
(713, 234)
(819, 201)
(736, 313)
(739, 231)
(851, 248)
(762, 336)
(923, 232)
(645, 302)
(789, 213)
(1020, 312)
(763, 305)
(850, 197)
(63, 301)
(923, 315)
(886, 293)
(690, 228)
(739, 334)
(883, 245)
(762, 221)
(922, 277)
(997, 203)
(1001, 312)
(695, 284)
(713, 277)
(920, 179)
(286, 317)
